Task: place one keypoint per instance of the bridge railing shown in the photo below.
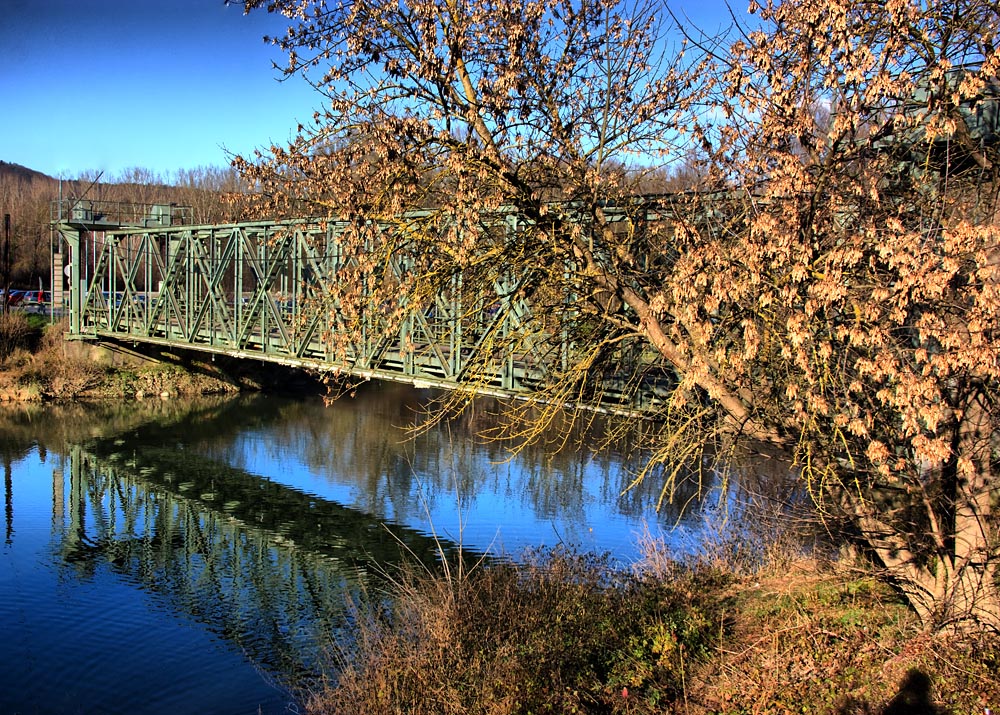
(114, 214)
(262, 290)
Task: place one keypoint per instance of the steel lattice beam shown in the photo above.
(262, 290)
(250, 290)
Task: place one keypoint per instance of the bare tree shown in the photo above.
(26, 199)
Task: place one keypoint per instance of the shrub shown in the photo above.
(15, 333)
(563, 633)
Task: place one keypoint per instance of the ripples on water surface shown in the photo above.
(194, 557)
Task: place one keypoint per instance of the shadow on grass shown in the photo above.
(912, 698)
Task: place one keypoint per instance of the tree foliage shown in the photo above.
(828, 282)
(864, 301)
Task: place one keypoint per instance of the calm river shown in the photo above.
(194, 557)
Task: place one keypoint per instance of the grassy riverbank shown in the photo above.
(569, 634)
(38, 365)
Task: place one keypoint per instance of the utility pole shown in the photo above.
(6, 262)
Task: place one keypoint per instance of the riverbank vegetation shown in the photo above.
(567, 633)
(37, 364)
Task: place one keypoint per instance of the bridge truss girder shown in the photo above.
(260, 290)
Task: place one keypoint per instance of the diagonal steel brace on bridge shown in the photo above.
(261, 290)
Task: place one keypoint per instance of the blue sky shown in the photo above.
(113, 84)
(92, 85)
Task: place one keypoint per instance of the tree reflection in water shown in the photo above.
(256, 516)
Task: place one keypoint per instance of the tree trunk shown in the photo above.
(946, 598)
(954, 592)
(971, 599)
(971, 590)
(955, 587)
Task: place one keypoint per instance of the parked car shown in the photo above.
(15, 297)
(36, 297)
(114, 300)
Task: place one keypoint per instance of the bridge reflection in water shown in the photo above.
(262, 565)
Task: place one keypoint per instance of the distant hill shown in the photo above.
(27, 194)
(9, 170)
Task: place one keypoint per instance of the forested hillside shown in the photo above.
(26, 195)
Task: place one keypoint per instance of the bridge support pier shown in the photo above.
(71, 236)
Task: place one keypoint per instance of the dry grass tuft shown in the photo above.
(15, 333)
(562, 633)
(566, 633)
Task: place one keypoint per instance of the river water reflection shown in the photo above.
(181, 557)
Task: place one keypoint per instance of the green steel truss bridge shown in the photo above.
(138, 276)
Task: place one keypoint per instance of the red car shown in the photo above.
(15, 297)
(34, 297)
